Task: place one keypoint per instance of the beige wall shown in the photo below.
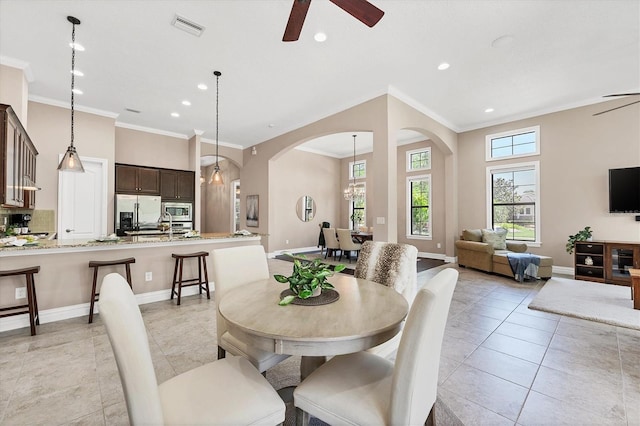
(577, 150)
(294, 174)
(216, 199)
(50, 131)
(151, 149)
(14, 91)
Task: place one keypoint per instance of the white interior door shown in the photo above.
(82, 201)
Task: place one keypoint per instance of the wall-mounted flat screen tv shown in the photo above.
(624, 190)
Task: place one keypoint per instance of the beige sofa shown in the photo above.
(474, 253)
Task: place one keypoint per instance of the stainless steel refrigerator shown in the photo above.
(136, 212)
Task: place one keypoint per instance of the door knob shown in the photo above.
(70, 230)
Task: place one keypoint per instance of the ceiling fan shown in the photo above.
(622, 106)
(362, 10)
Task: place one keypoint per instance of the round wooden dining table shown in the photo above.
(365, 315)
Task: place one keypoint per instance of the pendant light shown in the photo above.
(216, 176)
(355, 191)
(71, 160)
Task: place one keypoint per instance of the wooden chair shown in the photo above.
(365, 389)
(224, 392)
(234, 267)
(179, 281)
(96, 264)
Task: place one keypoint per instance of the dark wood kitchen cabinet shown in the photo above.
(177, 185)
(137, 180)
(18, 161)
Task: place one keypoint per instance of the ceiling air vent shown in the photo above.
(187, 25)
(132, 110)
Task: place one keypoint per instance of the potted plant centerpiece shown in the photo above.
(584, 235)
(308, 279)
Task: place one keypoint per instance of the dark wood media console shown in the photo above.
(606, 261)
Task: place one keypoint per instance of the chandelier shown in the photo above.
(354, 191)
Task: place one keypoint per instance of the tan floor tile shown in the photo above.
(543, 410)
(580, 391)
(538, 323)
(497, 303)
(515, 347)
(489, 311)
(528, 334)
(505, 366)
(470, 413)
(457, 349)
(498, 395)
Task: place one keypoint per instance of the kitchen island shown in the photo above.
(63, 284)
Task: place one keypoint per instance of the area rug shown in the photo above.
(610, 304)
(287, 374)
(422, 265)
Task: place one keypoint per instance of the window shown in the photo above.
(513, 144)
(419, 159)
(358, 169)
(419, 207)
(513, 200)
(357, 213)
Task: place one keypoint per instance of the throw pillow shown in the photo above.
(472, 235)
(497, 238)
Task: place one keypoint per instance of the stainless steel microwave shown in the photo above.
(178, 211)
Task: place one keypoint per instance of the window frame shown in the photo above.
(417, 151)
(530, 165)
(352, 165)
(409, 207)
(489, 138)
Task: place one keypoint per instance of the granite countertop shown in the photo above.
(119, 242)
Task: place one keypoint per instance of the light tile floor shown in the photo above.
(501, 362)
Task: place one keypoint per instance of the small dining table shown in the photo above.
(361, 237)
(366, 314)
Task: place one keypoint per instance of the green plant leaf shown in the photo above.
(305, 294)
(286, 300)
(327, 284)
(281, 278)
(339, 267)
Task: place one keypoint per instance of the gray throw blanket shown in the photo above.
(523, 265)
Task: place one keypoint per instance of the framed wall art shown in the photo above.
(252, 211)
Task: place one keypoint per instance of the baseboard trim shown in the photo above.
(563, 270)
(82, 309)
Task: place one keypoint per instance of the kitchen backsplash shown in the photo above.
(41, 220)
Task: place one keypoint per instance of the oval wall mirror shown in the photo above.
(306, 208)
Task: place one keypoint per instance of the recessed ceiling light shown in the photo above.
(503, 41)
(272, 125)
(78, 46)
(320, 37)
(77, 91)
(186, 103)
(488, 110)
(175, 114)
(77, 73)
(202, 86)
(443, 66)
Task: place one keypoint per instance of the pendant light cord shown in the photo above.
(217, 74)
(73, 74)
(353, 166)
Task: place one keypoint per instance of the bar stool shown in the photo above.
(95, 264)
(177, 279)
(32, 300)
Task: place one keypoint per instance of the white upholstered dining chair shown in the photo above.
(393, 265)
(346, 242)
(233, 267)
(331, 241)
(365, 389)
(224, 392)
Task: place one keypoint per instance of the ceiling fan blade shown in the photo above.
(362, 10)
(613, 109)
(296, 19)
(621, 94)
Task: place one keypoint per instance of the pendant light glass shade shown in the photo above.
(71, 160)
(354, 191)
(216, 176)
